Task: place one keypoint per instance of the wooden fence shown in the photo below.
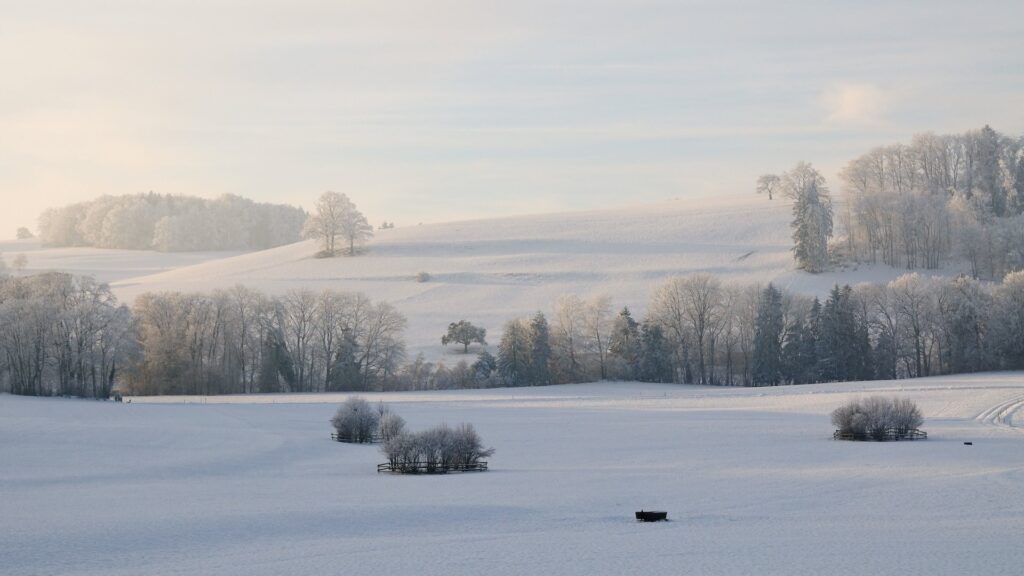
(423, 468)
(375, 439)
(890, 434)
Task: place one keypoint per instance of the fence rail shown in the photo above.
(423, 468)
(374, 439)
(890, 434)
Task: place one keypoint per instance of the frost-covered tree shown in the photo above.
(171, 223)
(965, 308)
(767, 184)
(1008, 321)
(324, 223)
(624, 345)
(24, 234)
(465, 333)
(568, 339)
(597, 325)
(514, 353)
(812, 216)
(335, 216)
(940, 197)
(389, 424)
(356, 421)
(62, 335)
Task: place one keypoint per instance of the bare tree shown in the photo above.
(767, 184)
(597, 321)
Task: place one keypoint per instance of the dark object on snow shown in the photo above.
(651, 516)
(968, 443)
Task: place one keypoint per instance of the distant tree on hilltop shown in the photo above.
(336, 216)
(465, 333)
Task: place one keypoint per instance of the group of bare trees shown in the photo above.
(240, 340)
(172, 223)
(877, 418)
(62, 335)
(942, 196)
(337, 217)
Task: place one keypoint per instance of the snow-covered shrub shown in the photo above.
(390, 425)
(905, 416)
(848, 418)
(877, 418)
(466, 446)
(356, 421)
(422, 277)
(438, 449)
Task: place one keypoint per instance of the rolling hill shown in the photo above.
(488, 271)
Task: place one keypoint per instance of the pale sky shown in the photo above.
(436, 110)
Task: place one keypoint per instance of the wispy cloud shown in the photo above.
(854, 103)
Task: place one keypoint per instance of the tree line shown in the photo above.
(240, 341)
(939, 197)
(67, 335)
(699, 330)
(62, 335)
(172, 223)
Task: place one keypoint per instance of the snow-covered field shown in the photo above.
(105, 265)
(751, 479)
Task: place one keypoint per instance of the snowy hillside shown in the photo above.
(751, 479)
(106, 265)
(489, 271)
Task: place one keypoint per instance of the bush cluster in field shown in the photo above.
(436, 449)
(877, 417)
(358, 422)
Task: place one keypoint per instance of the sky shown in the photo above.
(442, 110)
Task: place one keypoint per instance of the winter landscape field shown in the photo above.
(751, 479)
(464, 288)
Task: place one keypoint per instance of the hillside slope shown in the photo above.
(104, 264)
(488, 271)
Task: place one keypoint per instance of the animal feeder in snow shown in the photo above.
(651, 516)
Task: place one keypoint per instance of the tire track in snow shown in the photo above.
(1001, 415)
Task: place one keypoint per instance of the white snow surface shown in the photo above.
(490, 271)
(106, 265)
(751, 479)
